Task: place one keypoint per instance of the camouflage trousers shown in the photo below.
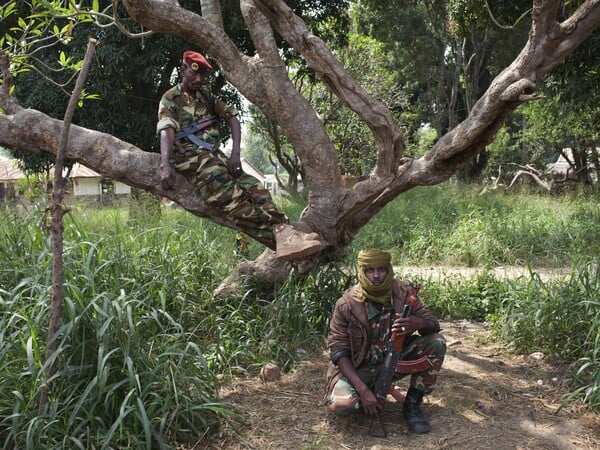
(242, 198)
(344, 399)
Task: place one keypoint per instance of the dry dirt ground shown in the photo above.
(486, 398)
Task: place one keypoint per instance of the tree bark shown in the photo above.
(335, 211)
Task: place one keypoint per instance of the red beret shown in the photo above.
(196, 61)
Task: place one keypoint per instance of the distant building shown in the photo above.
(562, 169)
(268, 181)
(88, 183)
(9, 179)
(85, 181)
(271, 184)
(250, 169)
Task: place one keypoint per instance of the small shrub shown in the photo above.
(461, 298)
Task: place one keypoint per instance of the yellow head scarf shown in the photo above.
(381, 293)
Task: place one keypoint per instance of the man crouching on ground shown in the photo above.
(361, 325)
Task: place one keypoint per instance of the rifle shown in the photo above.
(395, 345)
(190, 131)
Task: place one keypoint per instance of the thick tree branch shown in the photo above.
(375, 114)
(514, 86)
(33, 132)
(265, 85)
(573, 32)
(211, 10)
(261, 34)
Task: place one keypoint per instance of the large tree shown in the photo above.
(335, 211)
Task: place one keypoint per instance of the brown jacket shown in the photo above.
(349, 330)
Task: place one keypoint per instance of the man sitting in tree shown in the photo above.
(188, 126)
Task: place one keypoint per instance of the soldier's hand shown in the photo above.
(235, 166)
(370, 405)
(407, 325)
(167, 177)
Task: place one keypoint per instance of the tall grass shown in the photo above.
(454, 225)
(143, 340)
(560, 318)
(133, 372)
(246, 332)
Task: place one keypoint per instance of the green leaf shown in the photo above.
(7, 10)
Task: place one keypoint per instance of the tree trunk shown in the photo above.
(334, 210)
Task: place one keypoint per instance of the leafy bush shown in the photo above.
(132, 373)
(456, 298)
(455, 225)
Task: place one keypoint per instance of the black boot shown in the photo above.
(411, 409)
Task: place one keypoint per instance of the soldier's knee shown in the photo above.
(440, 345)
(342, 408)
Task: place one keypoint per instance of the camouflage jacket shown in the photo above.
(177, 110)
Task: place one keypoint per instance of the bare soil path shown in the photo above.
(499, 272)
(486, 398)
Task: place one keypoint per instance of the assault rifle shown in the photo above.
(392, 364)
(392, 354)
(190, 131)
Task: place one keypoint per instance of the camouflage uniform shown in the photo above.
(364, 329)
(243, 198)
